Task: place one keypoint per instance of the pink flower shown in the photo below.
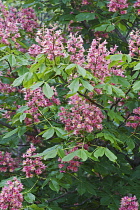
(10, 196)
(129, 203)
(32, 165)
(82, 116)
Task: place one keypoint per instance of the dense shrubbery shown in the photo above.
(69, 104)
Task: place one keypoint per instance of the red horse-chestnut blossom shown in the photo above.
(11, 197)
(118, 5)
(32, 165)
(73, 164)
(134, 120)
(82, 116)
(129, 203)
(7, 163)
(134, 43)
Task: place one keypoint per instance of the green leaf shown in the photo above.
(35, 207)
(47, 90)
(87, 85)
(60, 132)
(110, 155)
(81, 188)
(82, 154)
(61, 153)
(70, 68)
(116, 57)
(49, 133)
(11, 133)
(70, 156)
(118, 91)
(29, 197)
(99, 152)
(37, 85)
(108, 89)
(81, 70)
(137, 67)
(54, 185)
(50, 154)
(19, 80)
(22, 117)
(74, 86)
(12, 60)
(22, 109)
(136, 85)
(110, 28)
(102, 27)
(123, 81)
(21, 131)
(85, 16)
(65, 1)
(34, 67)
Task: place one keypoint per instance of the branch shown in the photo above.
(61, 196)
(12, 128)
(92, 101)
(117, 101)
(80, 204)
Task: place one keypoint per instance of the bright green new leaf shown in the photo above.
(136, 85)
(50, 154)
(47, 90)
(18, 80)
(70, 156)
(37, 85)
(81, 70)
(118, 91)
(99, 152)
(110, 155)
(49, 133)
(87, 85)
(74, 86)
(11, 60)
(82, 154)
(116, 57)
(137, 67)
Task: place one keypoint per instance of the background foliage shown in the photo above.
(47, 86)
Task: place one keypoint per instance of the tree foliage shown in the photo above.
(69, 104)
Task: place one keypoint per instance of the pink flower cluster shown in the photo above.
(137, 5)
(134, 43)
(11, 21)
(35, 99)
(34, 139)
(85, 2)
(32, 165)
(129, 203)
(8, 25)
(50, 42)
(118, 5)
(97, 62)
(134, 121)
(27, 19)
(82, 116)
(7, 163)
(6, 88)
(73, 164)
(10, 196)
(76, 49)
